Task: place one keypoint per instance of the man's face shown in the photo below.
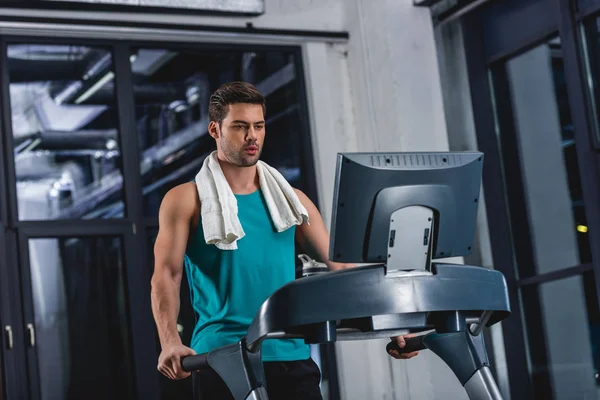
(242, 134)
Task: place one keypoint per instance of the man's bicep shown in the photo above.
(313, 237)
(171, 242)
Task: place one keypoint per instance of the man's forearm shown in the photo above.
(322, 256)
(334, 266)
(165, 307)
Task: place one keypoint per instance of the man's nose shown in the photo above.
(251, 134)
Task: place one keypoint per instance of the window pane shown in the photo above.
(540, 162)
(64, 122)
(583, 4)
(564, 338)
(591, 55)
(80, 318)
(172, 90)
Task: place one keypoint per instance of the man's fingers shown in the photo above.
(403, 356)
(170, 373)
(396, 354)
(410, 355)
(176, 363)
(169, 362)
(401, 339)
(400, 342)
(191, 352)
(179, 372)
(166, 372)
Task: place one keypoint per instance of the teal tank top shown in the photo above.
(227, 287)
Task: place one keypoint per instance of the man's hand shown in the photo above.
(169, 361)
(401, 343)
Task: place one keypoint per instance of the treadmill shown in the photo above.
(397, 213)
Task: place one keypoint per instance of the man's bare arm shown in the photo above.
(175, 216)
(314, 238)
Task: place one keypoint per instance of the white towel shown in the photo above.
(219, 210)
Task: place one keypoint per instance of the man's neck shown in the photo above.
(242, 180)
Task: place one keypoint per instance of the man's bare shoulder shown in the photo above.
(182, 199)
(304, 199)
(299, 192)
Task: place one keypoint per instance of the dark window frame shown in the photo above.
(486, 47)
(126, 123)
(556, 275)
(131, 228)
(128, 170)
(581, 13)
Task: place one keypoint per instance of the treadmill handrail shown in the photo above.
(371, 292)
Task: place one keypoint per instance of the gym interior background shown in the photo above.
(103, 109)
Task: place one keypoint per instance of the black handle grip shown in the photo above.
(195, 362)
(412, 344)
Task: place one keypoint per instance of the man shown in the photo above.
(228, 286)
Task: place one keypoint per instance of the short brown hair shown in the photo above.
(233, 93)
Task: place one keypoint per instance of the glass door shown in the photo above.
(14, 382)
(77, 333)
(531, 108)
(81, 216)
(82, 308)
(548, 221)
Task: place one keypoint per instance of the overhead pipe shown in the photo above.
(147, 93)
(73, 90)
(62, 140)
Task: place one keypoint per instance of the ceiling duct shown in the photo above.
(41, 52)
(247, 7)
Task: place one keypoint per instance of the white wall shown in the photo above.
(397, 106)
(394, 76)
(462, 137)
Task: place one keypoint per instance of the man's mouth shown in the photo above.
(252, 150)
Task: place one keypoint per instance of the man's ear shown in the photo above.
(213, 129)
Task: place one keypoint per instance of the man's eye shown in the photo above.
(259, 127)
